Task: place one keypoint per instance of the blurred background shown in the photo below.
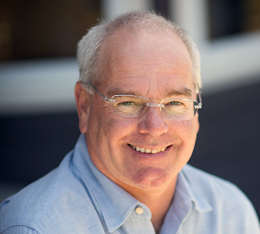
(38, 71)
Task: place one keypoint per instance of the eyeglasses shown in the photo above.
(137, 106)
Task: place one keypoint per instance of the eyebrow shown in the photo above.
(181, 92)
(117, 91)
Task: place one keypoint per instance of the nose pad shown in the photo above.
(152, 122)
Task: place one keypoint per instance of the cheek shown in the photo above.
(109, 127)
(187, 128)
(191, 135)
(186, 131)
(112, 130)
(118, 129)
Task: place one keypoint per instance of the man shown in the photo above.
(137, 101)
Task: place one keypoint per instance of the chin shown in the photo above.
(151, 177)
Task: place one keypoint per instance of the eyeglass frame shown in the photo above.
(160, 105)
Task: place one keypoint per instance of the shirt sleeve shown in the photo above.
(19, 230)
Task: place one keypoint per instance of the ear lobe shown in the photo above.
(83, 105)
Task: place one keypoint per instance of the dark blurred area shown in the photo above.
(228, 140)
(232, 17)
(31, 145)
(37, 29)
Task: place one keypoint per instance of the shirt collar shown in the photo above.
(190, 192)
(112, 203)
(185, 199)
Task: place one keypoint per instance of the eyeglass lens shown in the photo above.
(135, 106)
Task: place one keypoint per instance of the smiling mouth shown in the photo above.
(147, 151)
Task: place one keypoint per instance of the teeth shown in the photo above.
(148, 151)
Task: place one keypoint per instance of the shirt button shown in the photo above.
(139, 210)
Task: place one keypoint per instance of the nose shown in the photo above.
(152, 122)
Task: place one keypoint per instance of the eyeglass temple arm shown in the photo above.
(104, 97)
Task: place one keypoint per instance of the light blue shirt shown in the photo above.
(77, 198)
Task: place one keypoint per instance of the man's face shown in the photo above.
(154, 66)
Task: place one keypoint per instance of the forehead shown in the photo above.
(144, 59)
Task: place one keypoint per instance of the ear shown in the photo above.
(83, 106)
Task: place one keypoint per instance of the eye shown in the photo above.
(130, 103)
(126, 103)
(174, 103)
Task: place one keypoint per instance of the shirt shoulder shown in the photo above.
(56, 203)
(232, 212)
(213, 188)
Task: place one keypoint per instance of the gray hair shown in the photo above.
(89, 46)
